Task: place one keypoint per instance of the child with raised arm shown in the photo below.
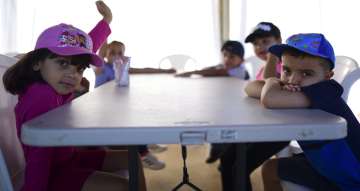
(232, 63)
(45, 79)
(115, 52)
(264, 35)
(308, 61)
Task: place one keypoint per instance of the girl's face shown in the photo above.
(60, 74)
(115, 52)
(303, 71)
(262, 44)
(231, 60)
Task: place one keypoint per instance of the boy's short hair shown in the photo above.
(313, 44)
(234, 47)
(326, 64)
(116, 43)
(263, 29)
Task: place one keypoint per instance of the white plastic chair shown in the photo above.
(5, 182)
(179, 62)
(346, 72)
(12, 162)
(253, 65)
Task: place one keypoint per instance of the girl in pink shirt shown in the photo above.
(46, 78)
(264, 35)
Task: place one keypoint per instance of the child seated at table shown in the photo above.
(232, 63)
(308, 61)
(115, 52)
(264, 35)
(45, 79)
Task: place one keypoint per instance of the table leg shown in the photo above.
(240, 175)
(133, 168)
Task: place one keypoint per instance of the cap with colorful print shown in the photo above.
(66, 40)
(311, 43)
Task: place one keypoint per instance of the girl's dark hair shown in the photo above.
(19, 76)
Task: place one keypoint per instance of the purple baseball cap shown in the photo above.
(66, 40)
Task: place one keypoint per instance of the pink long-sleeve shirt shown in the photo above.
(40, 98)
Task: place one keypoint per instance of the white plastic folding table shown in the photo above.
(170, 110)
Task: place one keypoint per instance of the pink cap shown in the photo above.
(66, 40)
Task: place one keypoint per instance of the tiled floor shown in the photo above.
(203, 175)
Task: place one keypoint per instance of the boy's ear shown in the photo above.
(329, 75)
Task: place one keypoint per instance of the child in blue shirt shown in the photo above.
(232, 58)
(115, 52)
(308, 61)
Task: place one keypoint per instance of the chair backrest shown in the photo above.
(9, 142)
(346, 72)
(5, 182)
(253, 65)
(179, 62)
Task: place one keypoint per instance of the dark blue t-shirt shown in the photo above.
(337, 160)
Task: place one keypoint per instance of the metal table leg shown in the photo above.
(240, 175)
(133, 168)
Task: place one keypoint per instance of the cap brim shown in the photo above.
(279, 49)
(71, 51)
(256, 34)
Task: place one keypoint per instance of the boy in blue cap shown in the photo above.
(308, 61)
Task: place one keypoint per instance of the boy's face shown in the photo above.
(115, 52)
(262, 44)
(303, 71)
(231, 60)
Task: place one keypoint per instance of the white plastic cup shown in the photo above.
(121, 68)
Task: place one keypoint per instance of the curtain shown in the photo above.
(8, 14)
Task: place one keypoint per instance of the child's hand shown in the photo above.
(98, 70)
(272, 59)
(104, 10)
(291, 87)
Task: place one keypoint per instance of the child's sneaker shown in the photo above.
(150, 161)
(157, 148)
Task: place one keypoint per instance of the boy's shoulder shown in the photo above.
(326, 88)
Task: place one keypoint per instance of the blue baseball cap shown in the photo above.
(311, 43)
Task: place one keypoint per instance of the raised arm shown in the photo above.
(274, 96)
(270, 66)
(102, 30)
